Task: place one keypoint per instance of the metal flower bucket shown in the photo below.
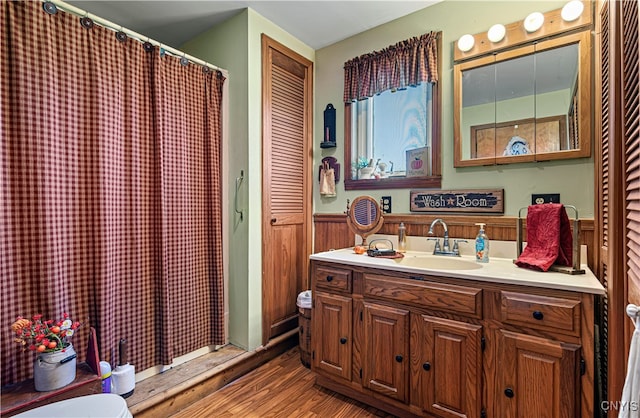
(54, 370)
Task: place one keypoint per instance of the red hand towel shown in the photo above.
(549, 239)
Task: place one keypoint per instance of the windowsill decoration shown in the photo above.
(55, 364)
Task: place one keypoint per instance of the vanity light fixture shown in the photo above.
(572, 10)
(466, 42)
(496, 33)
(533, 22)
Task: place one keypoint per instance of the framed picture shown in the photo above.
(418, 162)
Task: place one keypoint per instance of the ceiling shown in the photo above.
(316, 23)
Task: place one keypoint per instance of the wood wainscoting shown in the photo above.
(332, 232)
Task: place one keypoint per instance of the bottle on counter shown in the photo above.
(482, 245)
(402, 238)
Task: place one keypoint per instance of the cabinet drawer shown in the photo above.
(433, 295)
(541, 312)
(332, 278)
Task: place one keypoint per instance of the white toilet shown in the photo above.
(103, 405)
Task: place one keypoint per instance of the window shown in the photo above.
(386, 126)
(392, 116)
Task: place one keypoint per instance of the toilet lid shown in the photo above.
(102, 405)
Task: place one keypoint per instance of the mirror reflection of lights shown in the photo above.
(533, 22)
(572, 10)
(466, 42)
(496, 33)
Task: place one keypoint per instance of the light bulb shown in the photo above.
(496, 33)
(572, 10)
(466, 42)
(533, 22)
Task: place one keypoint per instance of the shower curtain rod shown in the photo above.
(135, 35)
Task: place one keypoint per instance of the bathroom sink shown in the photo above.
(438, 262)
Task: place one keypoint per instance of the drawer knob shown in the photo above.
(538, 315)
(343, 340)
(399, 358)
(329, 278)
(426, 366)
(508, 392)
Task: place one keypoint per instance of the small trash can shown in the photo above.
(304, 329)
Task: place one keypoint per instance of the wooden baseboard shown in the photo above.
(170, 401)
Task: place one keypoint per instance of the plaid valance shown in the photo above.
(407, 63)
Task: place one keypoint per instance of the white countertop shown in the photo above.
(498, 270)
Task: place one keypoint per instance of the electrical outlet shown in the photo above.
(385, 202)
(537, 199)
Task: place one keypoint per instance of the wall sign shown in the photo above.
(418, 162)
(488, 201)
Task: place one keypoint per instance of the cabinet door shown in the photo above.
(446, 365)
(332, 334)
(385, 367)
(535, 377)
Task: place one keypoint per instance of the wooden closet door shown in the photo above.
(631, 133)
(286, 191)
(617, 179)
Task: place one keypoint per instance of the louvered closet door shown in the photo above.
(604, 149)
(286, 240)
(618, 179)
(631, 128)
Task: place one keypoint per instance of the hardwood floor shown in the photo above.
(280, 388)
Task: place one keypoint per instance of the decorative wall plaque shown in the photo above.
(487, 201)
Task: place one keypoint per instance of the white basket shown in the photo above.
(304, 299)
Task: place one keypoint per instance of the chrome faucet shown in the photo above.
(445, 249)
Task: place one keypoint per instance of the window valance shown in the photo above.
(407, 63)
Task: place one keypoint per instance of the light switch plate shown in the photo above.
(539, 198)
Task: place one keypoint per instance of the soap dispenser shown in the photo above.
(402, 238)
(482, 245)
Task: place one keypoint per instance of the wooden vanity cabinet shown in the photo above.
(385, 365)
(438, 347)
(539, 355)
(446, 362)
(332, 331)
(331, 321)
(536, 377)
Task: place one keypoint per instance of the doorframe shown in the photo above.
(267, 45)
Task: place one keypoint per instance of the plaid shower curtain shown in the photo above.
(110, 190)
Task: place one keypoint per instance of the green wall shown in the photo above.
(573, 179)
(236, 45)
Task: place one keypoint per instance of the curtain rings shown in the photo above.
(49, 7)
(184, 61)
(121, 36)
(86, 22)
(148, 46)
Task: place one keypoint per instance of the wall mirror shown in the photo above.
(531, 103)
(364, 217)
